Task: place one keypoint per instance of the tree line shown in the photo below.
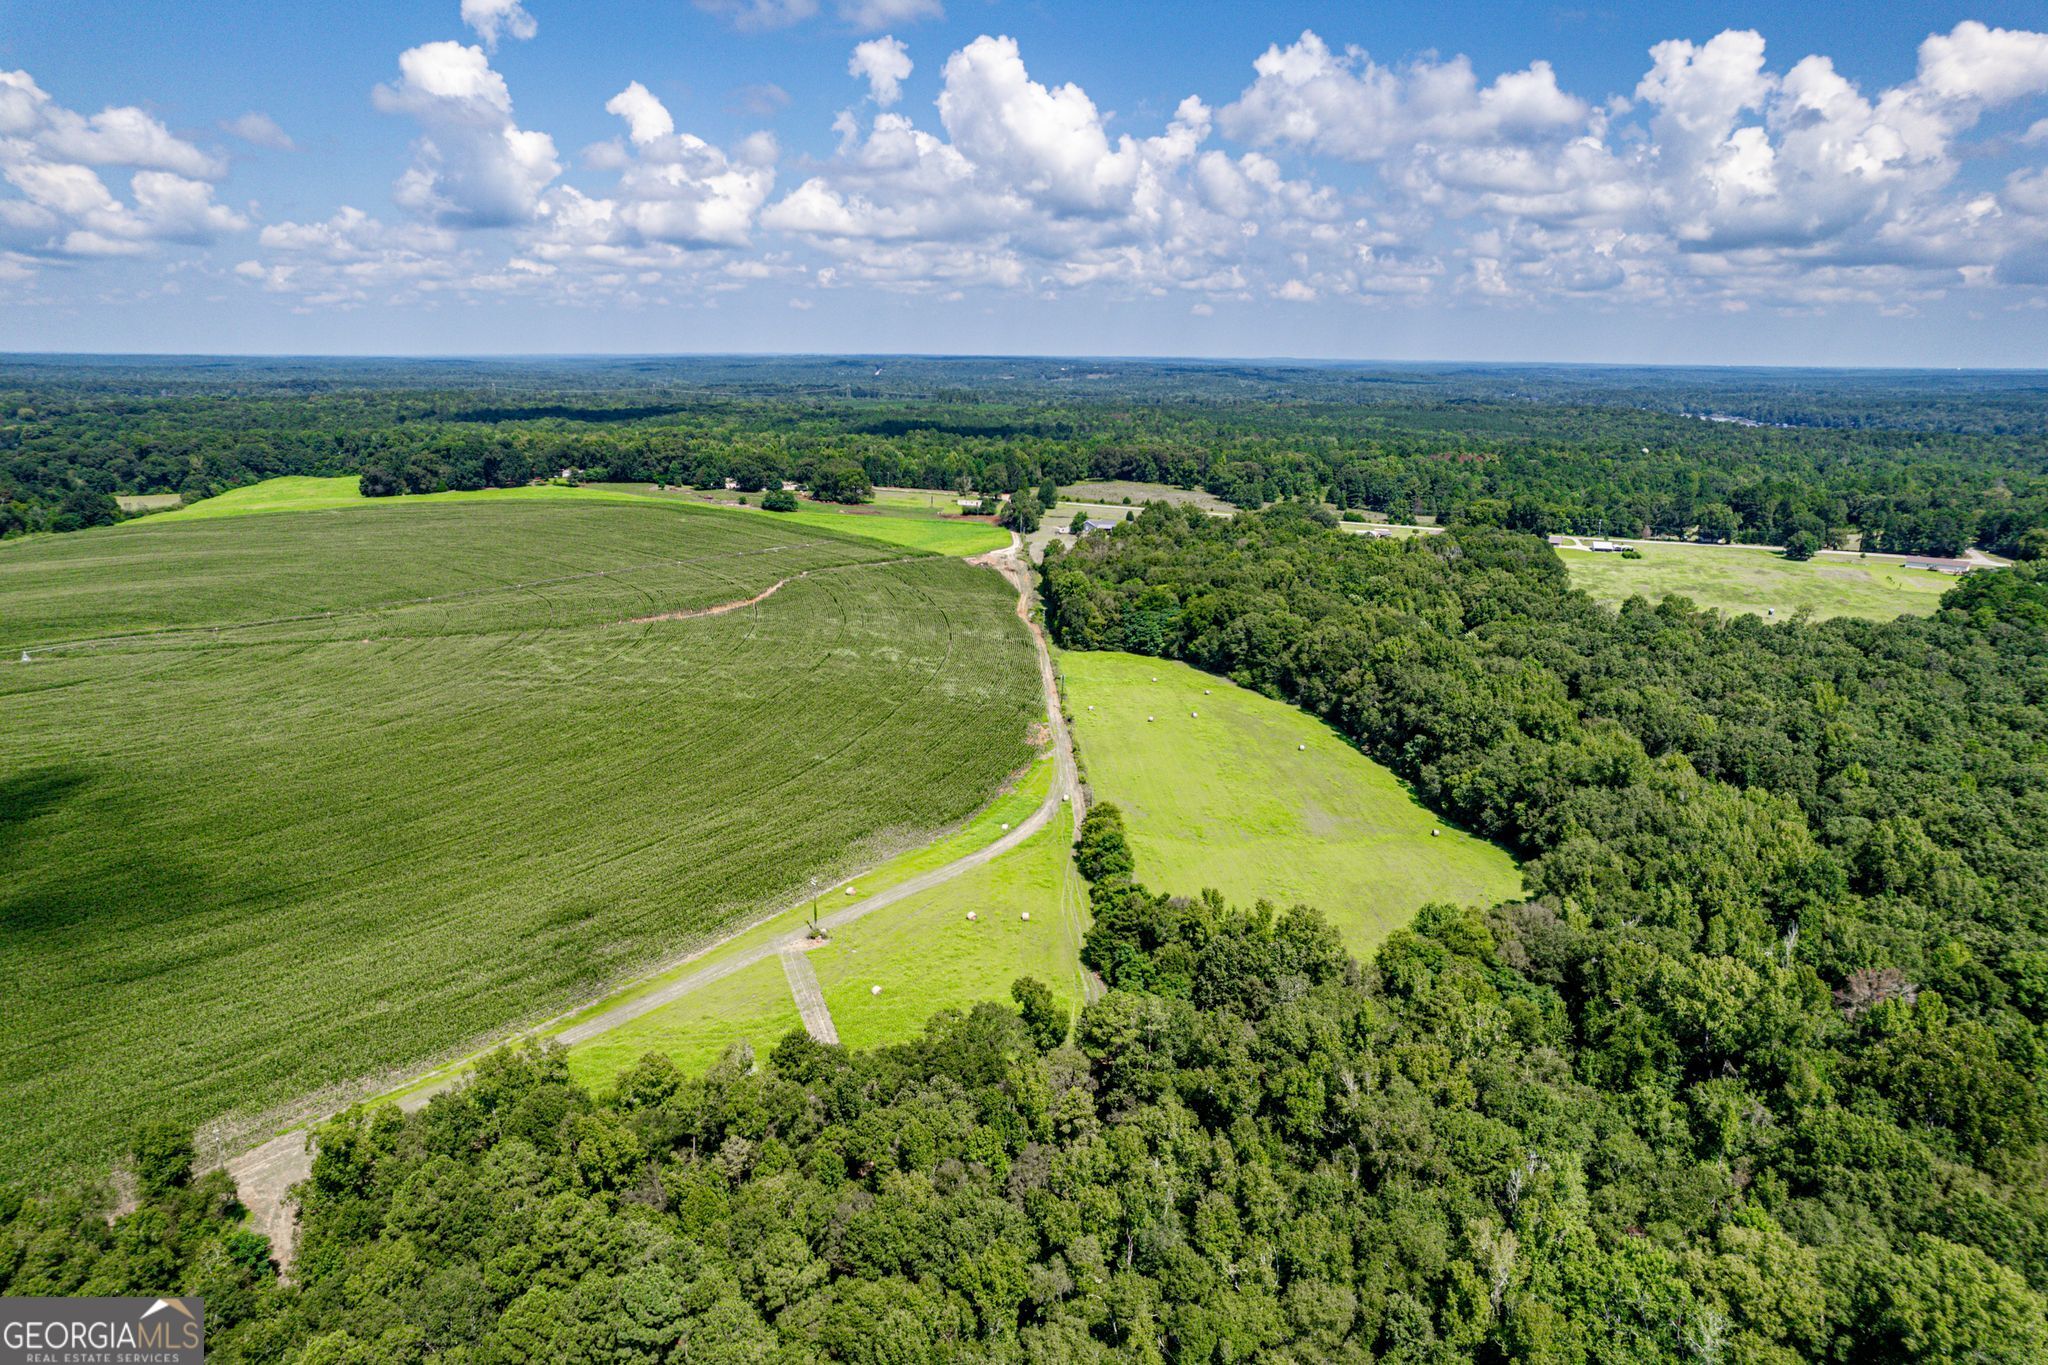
(1913, 473)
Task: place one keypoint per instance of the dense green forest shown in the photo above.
(1913, 463)
(1756, 1076)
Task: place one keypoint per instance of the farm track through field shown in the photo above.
(809, 996)
(173, 633)
(720, 609)
(265, 1175)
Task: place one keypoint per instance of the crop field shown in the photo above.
(1761, 582)
(310, 493)
(477, 792)
(413, 566)
(1228, 797)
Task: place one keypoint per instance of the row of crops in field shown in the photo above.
(236, 867)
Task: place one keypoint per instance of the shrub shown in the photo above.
(780, 500)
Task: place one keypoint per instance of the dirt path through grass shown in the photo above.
(808, 994)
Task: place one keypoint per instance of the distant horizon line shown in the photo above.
(1325, 362)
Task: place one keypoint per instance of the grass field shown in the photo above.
(1228, 799)
(751, 1006)
(927, 955)
(898, 521)
(904, 524)
(309, 493)
(1762, 582)
(147, 502)
(358, 841)
(912, 945)
(1117, 490)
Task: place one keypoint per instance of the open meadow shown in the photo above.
(1121, 492)
(417, 771)
(1740, 578)
(697, 1028)
(903, 520)
(1221, 787)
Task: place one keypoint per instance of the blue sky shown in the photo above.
(1682, 183)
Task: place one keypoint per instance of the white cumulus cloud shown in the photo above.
(473, 165)
(884, 63)
(259, 130)
(492, 19)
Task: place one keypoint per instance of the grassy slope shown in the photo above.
(309, 493)
(698, 1028)
(337, 856)
(1737, 579)
(422, 567)
(1228, 800)
(927, 955)
(896, 520)
(751, 1006)
(906, 525)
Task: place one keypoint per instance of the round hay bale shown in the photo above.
(874, 990)
(1026, 915)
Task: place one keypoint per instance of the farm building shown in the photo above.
(1094, 524)
(1605, 547)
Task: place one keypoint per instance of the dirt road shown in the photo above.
(809, 995)
(266, 1174)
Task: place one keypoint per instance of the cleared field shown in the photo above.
(1117, 490)
(308, 493)
(751, 1006)
(147, 502)
(338, 857)
(927, 955)
(1734, 578)
(904, 523)
(913, 944)
(415, 566)
(1228, 798)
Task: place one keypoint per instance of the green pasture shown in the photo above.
(1228, 797)
(899, 520)
(751, 1006)
(1735, 578)
(697, 1028)
(927, 955)
(475, 794)
(1117, 490)
(310, 493)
